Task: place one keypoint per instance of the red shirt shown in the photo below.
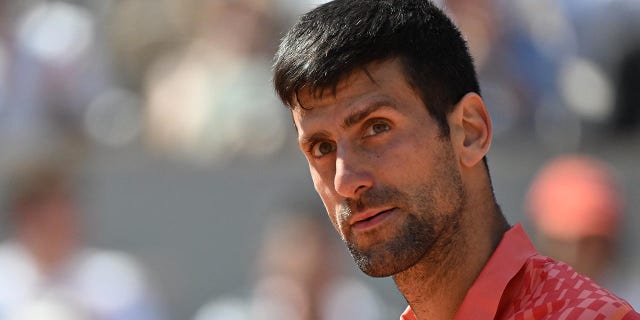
(517, 283)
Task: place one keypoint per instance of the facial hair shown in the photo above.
(432, 212)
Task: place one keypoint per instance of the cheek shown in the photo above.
(414, 167)
(323, 183)
(324, 189)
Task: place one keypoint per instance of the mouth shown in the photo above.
(369, 219)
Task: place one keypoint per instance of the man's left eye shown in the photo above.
(377, 128)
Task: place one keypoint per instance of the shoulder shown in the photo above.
(109, 280)
(108, 268)
(17, 268)
(554, 290)
(18, 274)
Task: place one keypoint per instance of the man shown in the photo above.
(390, 118)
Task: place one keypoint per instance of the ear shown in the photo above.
(471, 129)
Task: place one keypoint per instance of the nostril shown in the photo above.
(351, 176)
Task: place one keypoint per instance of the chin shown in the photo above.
(387, 258)
(381, 270)
(377, 273)
(382, 263)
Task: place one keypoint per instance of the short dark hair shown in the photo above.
(338, 37)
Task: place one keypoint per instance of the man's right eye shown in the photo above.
(322, 148)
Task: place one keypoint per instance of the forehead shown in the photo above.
(384, 78)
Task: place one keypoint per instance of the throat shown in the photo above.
(437, 285)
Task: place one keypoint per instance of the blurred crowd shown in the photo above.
(47, 271)
(192, 78)
(190, 81)
(577, 205)
(187, 78)
(294, 278)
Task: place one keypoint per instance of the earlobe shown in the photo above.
(475, 128)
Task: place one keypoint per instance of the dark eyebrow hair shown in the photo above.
(360, 114)
(313, 138)
(351, 120)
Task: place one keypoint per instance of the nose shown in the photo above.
(352, 177)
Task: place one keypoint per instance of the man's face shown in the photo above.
(389, 180)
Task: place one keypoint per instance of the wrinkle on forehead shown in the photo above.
(387, 75)
(320, 92)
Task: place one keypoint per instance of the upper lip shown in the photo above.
(364, 215)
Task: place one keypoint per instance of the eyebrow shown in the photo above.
(313, 138)
(359, 115)
(352, 119)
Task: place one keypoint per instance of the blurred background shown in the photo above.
(173, 158)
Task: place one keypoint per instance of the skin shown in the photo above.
(408, 202)
(49, 229)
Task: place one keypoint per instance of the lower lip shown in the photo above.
(373, 222)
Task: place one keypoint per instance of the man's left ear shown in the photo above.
(471, 129)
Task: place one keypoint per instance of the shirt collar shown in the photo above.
(483, 298)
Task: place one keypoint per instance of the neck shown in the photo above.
(437, 285)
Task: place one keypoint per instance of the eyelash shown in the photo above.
(312, 146)
(370, 123)
(367, 125)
